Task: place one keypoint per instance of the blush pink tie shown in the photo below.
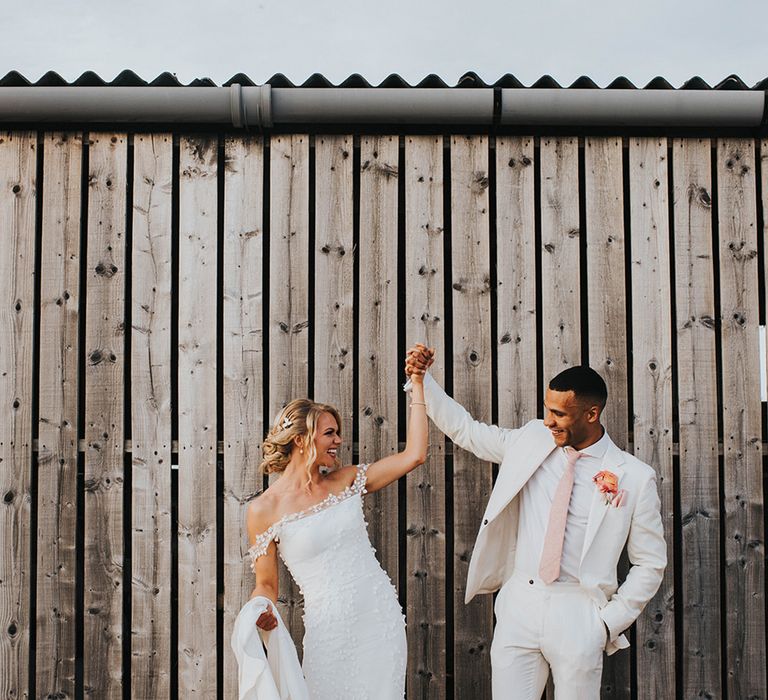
(549, 566)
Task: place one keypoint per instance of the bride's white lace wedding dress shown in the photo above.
(354, 640)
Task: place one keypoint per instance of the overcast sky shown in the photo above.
(216, 39)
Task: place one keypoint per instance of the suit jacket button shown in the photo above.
(485, 522)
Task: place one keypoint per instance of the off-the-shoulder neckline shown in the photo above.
(357, 487)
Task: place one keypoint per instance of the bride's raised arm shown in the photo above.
(384, 471)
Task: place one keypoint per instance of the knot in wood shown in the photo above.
(105, 270)
(480, 182)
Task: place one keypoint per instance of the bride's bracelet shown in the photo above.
(418, 403)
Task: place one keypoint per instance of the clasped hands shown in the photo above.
(418, 360)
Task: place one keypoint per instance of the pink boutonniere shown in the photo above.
(608, 484)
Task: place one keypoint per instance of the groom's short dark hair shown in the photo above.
(583, 381)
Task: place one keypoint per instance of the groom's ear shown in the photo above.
(593, 413)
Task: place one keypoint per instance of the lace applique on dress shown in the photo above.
(260, 546)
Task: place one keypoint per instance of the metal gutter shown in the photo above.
(693, 108)
(264, 106)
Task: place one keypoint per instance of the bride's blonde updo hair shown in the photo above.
(298, 419)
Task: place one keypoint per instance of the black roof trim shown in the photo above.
(128, 78)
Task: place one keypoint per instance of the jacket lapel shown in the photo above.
(612, 461)
(533, 450)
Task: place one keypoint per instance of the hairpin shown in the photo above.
(287, 423)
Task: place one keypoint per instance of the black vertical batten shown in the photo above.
(80, 527)
(761, 223)
(623, 562)
(494, 276)
(400, 346)
(174, 651)
(628, 291)
(677, 524)
(35, 414)
(449, 539)
(127, 457)
(720, 429)
(220, 465)
(311, 236)
(583, 258)
(355, 432)
(539, 291)
(762, 316)
(266, 228)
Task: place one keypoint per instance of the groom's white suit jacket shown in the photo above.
(520, 453)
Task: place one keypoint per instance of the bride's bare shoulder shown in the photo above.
(261, 511)
(343, 476)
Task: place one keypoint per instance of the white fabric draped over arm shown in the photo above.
(274, 675)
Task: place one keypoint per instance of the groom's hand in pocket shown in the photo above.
(267, 620)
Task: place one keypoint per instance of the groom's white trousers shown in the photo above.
(538, 627)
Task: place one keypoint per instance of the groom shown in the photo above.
(565, 503)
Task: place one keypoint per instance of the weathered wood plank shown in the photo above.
(151, 416)
(741, 416)
(605, 282)
(334, 281)
(104, 367)
(560, 268)
(18, 174)
(425, 488)
(378, 362)
(607, 318)
(472, 479)
(697, 407)
(289, 307)
(652, 390)
(243, 370)
(516, 281)
(58, 419)
(198, 161)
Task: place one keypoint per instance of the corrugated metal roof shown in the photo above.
(128, 78)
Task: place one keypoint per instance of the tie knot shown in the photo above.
(571, 455)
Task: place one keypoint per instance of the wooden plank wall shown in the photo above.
(163, 296)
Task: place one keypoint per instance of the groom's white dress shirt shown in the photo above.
(536, 501)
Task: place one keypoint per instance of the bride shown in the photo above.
(354, 641)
